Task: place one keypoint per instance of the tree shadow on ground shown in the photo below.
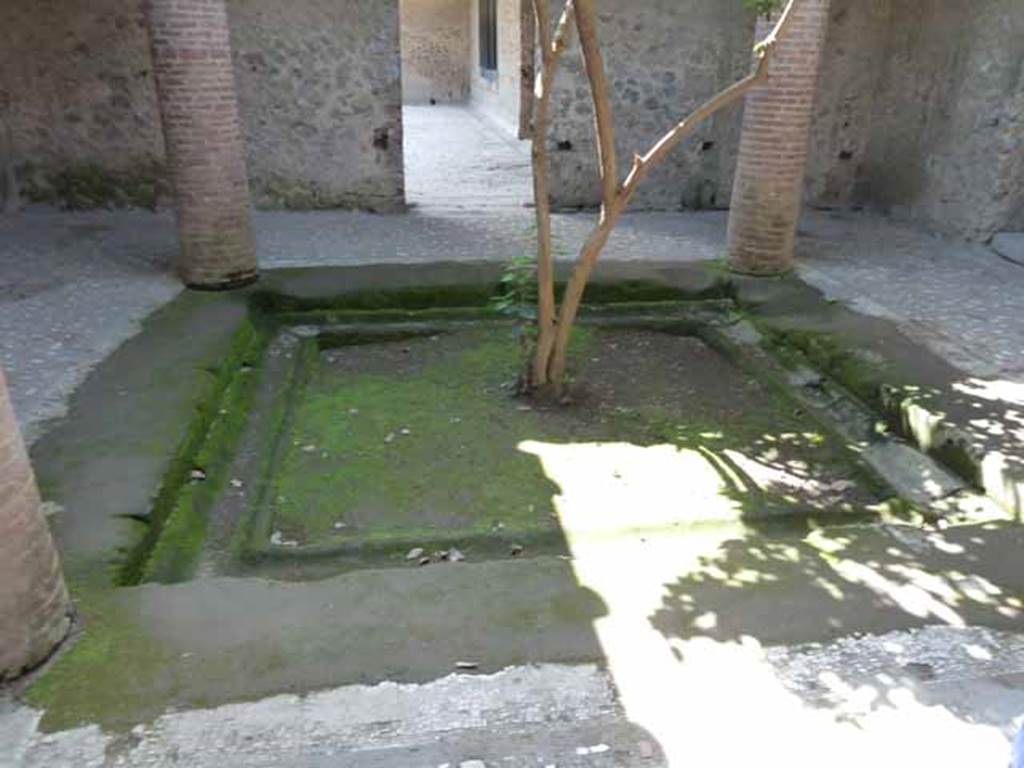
(797, 589)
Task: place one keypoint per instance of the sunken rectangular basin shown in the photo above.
(345, 439)
(371, 442)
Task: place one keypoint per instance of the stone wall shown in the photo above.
(319, 85)
(77, 93)
(851, 64)
(498, 98)
(919, 111)
(664, 58)
(435, 51)
(946, 141)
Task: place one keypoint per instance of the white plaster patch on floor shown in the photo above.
(350, 719)
(933, 696)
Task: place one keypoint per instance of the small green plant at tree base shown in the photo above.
(763, 7)
(516, 298)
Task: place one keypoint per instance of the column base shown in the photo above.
(229, 284)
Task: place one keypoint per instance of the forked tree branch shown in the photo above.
(552, 46)
(616, 199)
(527, 68)
(604, 117)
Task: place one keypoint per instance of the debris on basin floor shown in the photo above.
(50, 508)
(278, 540)
(415, 554)
(197, 475)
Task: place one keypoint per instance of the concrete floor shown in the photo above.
(737, 682)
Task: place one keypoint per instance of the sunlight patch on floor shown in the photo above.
(618, 487)
(723, 703)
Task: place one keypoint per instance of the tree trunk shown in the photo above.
(527, 67)
(550, 363)
(552, 47)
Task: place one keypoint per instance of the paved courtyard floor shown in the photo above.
(747, 681)
(73, 286)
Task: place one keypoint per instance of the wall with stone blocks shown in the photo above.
(319, 84)
(919, 112)
(946, 140)
(663, 58)
(435, 51)
(77, 95)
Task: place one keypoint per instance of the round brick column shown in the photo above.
(196, 91)
(34, 605)
(767, 196)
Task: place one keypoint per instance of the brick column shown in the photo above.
(196, 90)
(34, 606)
(767, 196)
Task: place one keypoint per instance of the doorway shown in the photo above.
(461, 86)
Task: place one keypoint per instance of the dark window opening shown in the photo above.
(489, 38)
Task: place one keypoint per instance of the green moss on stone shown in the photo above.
(87, 186)
(113, 670)
(416, 456)
(830, 355)
(177, 522)
(278, 192)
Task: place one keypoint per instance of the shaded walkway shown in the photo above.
(457, 160)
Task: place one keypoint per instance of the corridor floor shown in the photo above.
(459, 160)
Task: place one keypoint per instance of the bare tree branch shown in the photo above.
(552, 47)
(604, 118)
(616, 202)
(527, 68)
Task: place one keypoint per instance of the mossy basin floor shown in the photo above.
(421, 440)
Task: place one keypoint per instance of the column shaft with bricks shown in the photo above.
(767, 196)
(199, 109)
(34, 605)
